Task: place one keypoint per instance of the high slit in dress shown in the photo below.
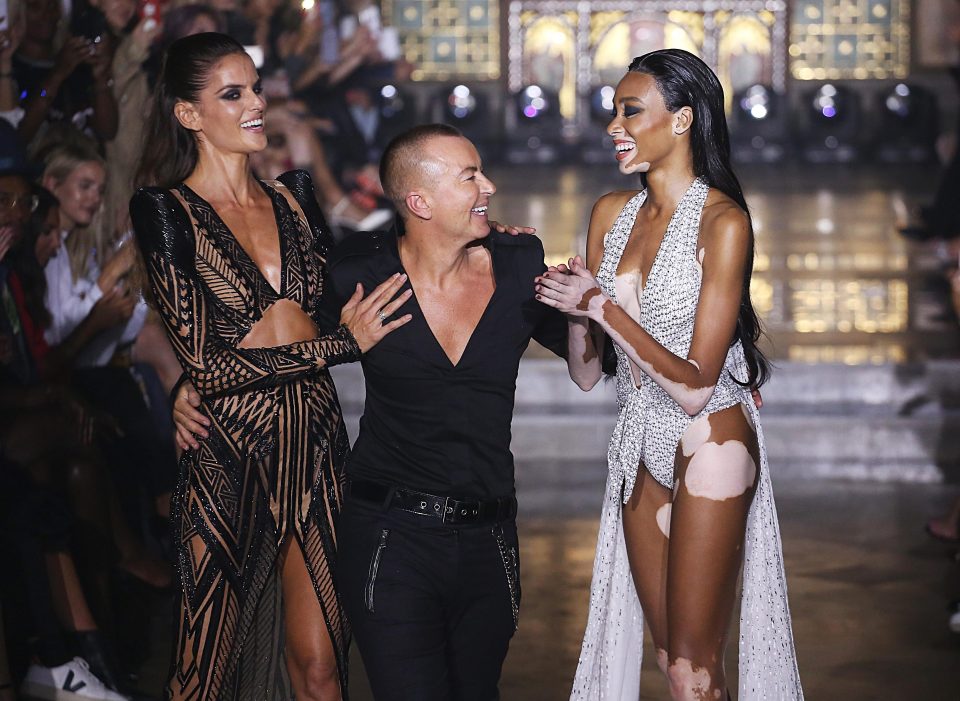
(649, 427)
(273, 466)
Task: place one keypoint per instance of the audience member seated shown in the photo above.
(57, 496)
(320, 69)
(292, 143)
(91, 270)
(67, 86)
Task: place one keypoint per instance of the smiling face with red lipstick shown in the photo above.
(645, 133)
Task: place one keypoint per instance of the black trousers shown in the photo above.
(432, 606)
(143, 462)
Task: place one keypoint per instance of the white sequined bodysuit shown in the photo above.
(648, 429)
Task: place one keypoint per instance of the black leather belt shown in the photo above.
(449, 510)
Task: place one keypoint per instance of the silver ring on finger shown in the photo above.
(381, 316)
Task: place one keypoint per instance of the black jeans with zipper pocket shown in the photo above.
(432, 606)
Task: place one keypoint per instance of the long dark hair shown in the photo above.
(685, 80)
(25, 263)
(170, 151)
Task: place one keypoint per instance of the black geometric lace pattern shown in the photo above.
(273, 467)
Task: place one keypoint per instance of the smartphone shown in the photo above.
(389, 44)
(4, 12)
(152, 12)
(88, 22)
(256, 53)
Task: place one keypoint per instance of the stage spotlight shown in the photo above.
(756, 102)
(596, 146)
(398, 113)
(468, 109)
(601, 104)
(758, 130)
(534, 127)
(534, 104)
(908, 125)
(833, 125)
(460, 106)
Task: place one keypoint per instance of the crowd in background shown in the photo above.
(87, 463)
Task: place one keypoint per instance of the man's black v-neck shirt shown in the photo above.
(427, 424)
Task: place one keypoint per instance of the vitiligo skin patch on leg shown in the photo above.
(663, 661)
(663, 519)
(696, 435)
(720, 471)
(691, 683)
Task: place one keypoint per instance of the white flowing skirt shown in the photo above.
(612, 651)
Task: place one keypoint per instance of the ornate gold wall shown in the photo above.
(448, 38)
(572, 46)
(850, 39)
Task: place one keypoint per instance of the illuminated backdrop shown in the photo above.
(572, 46)
(850, 39)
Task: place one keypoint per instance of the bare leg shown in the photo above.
(311, 661)
(716, 471)
(68, 598)
(94, 501)
(646, 529)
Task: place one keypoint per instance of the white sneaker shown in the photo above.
(72, 681)
(954, 621)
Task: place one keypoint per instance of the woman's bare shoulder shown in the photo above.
(608, 208)
(723, 219)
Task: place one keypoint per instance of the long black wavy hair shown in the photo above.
(685, 80)
(24, 261)
(170, 150)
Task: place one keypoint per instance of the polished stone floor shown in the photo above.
(867, 589)
(834, 283)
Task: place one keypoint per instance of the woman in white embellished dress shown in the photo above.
(688, 497)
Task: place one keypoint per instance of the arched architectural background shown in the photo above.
(572, 46)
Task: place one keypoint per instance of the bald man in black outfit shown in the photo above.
(428, 566)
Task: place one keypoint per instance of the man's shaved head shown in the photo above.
(403, 166)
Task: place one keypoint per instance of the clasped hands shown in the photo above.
(571, 289)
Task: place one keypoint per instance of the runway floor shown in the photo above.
(834, 283)
(868, 591)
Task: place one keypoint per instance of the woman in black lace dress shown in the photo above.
(237, 268)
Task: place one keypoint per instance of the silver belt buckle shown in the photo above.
(447, 510)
